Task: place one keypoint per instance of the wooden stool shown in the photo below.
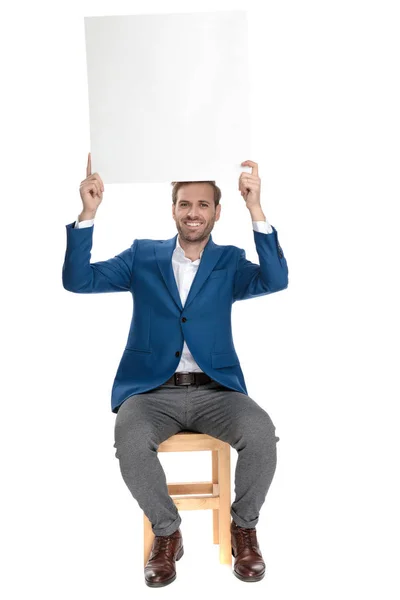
(185, 495)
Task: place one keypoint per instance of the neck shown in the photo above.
(192, 249)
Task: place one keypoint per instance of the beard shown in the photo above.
(195, 234)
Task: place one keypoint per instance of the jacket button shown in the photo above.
(184, 319)
(177, 353)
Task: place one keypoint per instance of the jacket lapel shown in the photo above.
(164, 250)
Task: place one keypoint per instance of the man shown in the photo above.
(179, 370)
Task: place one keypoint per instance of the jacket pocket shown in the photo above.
(139, 350)
(224, 359)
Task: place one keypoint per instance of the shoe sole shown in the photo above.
(168, 581)
(255, 578)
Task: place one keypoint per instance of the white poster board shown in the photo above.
(168, 96)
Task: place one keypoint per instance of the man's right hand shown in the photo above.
(91, 191)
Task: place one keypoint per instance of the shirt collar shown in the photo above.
(179, 249)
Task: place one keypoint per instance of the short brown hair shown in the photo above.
(178, 184)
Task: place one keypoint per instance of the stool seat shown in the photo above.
(212, 495)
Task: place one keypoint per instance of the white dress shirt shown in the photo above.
(185, 270)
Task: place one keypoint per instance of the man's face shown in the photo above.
(195, 204)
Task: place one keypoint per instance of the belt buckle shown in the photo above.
(184, 378)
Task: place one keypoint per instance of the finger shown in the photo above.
(246, 180)
(101, 182)
(249, 176)
(89, 166)
(97, 189)
(91, 186)
(98, 178)
(242, 184)
(253, 165)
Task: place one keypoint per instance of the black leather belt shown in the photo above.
(189, 378)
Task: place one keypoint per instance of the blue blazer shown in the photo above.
(160, 323)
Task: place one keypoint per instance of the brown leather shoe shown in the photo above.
(160, 568)
(249, 564)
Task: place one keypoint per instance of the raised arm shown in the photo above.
(78, 274)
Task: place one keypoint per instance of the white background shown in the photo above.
(320, 357)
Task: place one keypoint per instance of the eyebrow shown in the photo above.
(208, 201)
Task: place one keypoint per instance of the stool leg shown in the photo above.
(214, 479)
(224, 478)
(148, 537)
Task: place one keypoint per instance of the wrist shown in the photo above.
(85, 215)
(257, 213)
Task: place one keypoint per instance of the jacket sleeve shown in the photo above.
(271, 275)
(81, 276)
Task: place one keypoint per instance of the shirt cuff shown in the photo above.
(82, 224)
(262, 226)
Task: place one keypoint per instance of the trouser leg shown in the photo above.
(142, 423)
(237, 419)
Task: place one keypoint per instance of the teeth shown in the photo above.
(193, 224)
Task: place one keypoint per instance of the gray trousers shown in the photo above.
(145, 420)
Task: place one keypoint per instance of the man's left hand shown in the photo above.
(250, 185)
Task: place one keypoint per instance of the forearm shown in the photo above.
(257, 213)
(85, 215)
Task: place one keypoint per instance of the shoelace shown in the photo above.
(163, 543)
(246, 539)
